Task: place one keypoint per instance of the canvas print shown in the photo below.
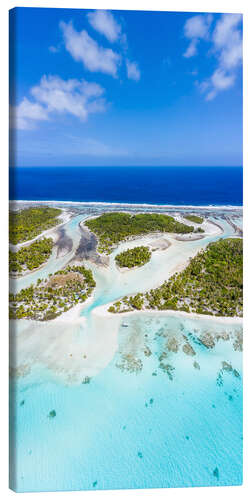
(125, 249)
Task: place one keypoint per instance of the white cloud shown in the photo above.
(191, 49)
(227, 40)
(224, 29)
(133, 71)
(26, 114)
(104, 22)
(217, 82)
(54, 95)
(226, 46)
(220, 80)
(86, 50)
(196, 28)
(94, 57)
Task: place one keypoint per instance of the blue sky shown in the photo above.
(126, 88)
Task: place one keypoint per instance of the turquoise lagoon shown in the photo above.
(132, 430)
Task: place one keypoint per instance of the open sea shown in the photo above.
(147, 185)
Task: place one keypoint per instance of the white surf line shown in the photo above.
(117, 204)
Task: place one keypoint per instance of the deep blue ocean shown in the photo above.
(153, 185)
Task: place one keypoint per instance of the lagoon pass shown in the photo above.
(143, 399)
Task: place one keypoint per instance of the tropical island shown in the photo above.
(212, 283)
(28, 223)
(194, 218)
(54, 295)
(133, 257)
(30, 257)
(113, 227)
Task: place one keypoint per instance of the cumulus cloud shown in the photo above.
(26, 114)
(196, 28)
(133, 71)
(191, 49)
(85, 49)
(104, 22)
(226, 46)
(218, 81)
(55, 95)
(227, 40)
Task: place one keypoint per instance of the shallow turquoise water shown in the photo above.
(127, 430)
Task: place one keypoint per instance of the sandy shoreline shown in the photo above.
(103, 311)
(72, 349)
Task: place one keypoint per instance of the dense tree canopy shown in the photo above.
(194, 218)
(26, 224)
(31, 256)
(133, 257)
(53, 295)
(212, 283)
(113, 227)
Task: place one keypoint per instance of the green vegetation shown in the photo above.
(30, 257)
(133, 257)
(28, 223)
(194, 218)
(113, 227)
(212, 283)
(53, 295)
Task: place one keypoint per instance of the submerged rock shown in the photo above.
(172, 345)
(22, 402)
(238, 343)
(94, 484)
(86, 380)
(163, 356)
(187, 348)
(167, 369)
(130, 364)
(216, 472)
(52, 414)
(223, 336)
(147, 351)
(139, 454)
(196, 365)
(154, 374)
(219, 380)
(227, 366)
(207, 340)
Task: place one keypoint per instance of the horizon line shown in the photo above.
(126, 166)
